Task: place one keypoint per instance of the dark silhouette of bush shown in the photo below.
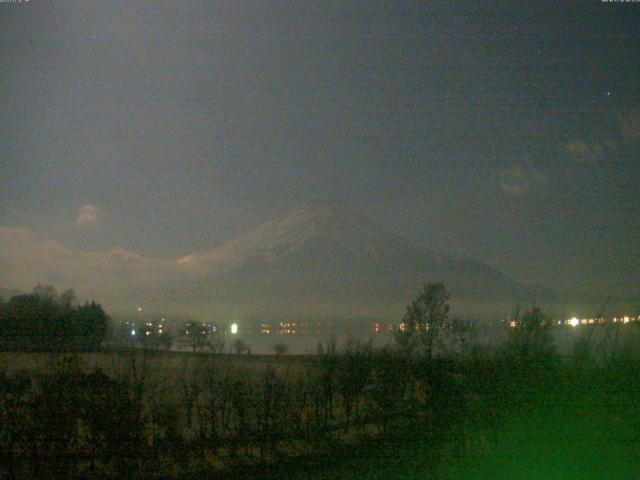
(44, 321)
(280, 348)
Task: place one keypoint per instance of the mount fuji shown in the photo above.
(325, 257)
(320, 260)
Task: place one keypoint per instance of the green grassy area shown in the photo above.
(574, 435)
(576, 429)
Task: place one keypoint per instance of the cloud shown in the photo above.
(610, 139)
(588, 152)
(27, 259)
(520, 180)
(87, 215)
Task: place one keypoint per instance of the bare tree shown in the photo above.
(461, 333)
(196, 335)
(424, 319)
(530, 336)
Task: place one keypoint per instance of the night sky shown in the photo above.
(505, 132)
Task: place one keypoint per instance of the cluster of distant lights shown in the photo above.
(148, 332)
(575, 321)
(233, 328)
(288, 328)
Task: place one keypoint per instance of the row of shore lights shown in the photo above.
(233, 328)
(575, 321)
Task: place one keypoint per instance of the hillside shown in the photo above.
(319, 259)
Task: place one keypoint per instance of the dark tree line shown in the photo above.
(47, 321)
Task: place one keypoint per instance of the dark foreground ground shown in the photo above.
(581, 428)
(495, 418)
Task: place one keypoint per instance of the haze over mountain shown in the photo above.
(319, 260)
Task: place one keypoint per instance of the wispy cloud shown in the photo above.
(88, 214)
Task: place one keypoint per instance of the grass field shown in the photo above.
(360, 415)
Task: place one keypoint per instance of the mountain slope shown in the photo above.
(327, 253)
(319, 259)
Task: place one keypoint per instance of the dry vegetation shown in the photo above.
(157, 414)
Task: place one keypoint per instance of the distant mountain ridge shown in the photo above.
(320, 259)
(324, 251)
